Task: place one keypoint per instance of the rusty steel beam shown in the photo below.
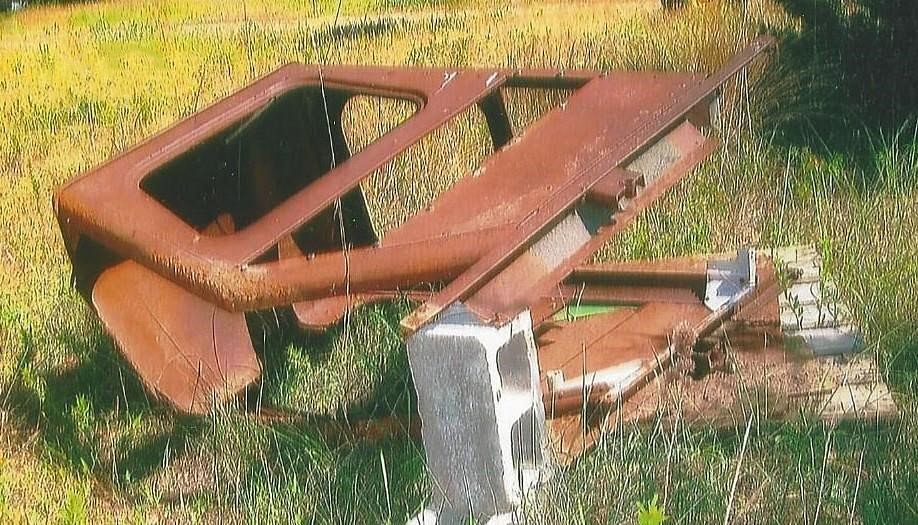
(519, 284)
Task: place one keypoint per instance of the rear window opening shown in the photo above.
(421, 173)
(526, 105)
(259, 162)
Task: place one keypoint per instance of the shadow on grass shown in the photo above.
(856, 80)
(801, 468)
(370, 343)
(901, 353)
(872, 460)
(82, 409)
(92, 414)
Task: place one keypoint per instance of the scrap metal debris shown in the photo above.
(757, 360)
(255, 203)
(232, 210)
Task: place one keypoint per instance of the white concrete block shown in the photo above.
(482, 419)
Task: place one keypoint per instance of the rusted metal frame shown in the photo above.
(547, 79)
(167, 244)
(301, 207)
(763, 308)
(320, 314)
(622, 283)
(625, 294)
(321, 194)
(544, 218)
(202, 242)
(211, 262)
(671, 277)
(133, 164)
(678, 280)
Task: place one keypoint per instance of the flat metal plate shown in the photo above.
(185, 349)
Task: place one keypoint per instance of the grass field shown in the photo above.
(821, 147)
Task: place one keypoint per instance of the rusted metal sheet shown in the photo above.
(592, 366)
(104, 204)
(606, 355)
(188, 350)
(547, 262)
(753, 358)
(255, 203)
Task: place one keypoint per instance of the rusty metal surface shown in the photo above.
(606, 356)
(592, 367)
(189, 351)
(596, 356)
(628, 344)
(532, 274)
(320, 314)
(625, 143)
(234, 208)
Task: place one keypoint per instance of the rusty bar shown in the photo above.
(501, 297)
(357, 270)
(634, 274)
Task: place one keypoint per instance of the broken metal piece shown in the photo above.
(782, 371)
(607, 356)
(270, 163)
(726, 279)
(750, 341)
(193, 352)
